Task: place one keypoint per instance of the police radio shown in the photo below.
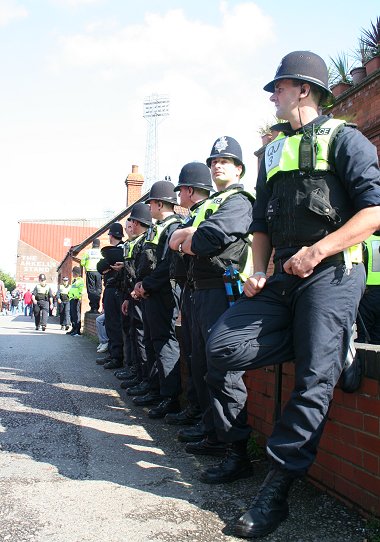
(307, 157)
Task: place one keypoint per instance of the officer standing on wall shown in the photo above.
(75, 297)
(194, 186)
(42, 297)
(160, 305)
(318, 197)
(93, 277)
(368, 322)
(217, 238)
(64, 303)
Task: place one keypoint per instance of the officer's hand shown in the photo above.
(59, 301)
(117, 266)
(124, 307)
(303, 262)
(254, 284)
(136, 294)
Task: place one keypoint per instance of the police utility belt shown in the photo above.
(337, 259)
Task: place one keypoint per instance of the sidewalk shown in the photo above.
(79, 462)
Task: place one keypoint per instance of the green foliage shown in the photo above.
(373, 530)
(254, 450)
(9, 281)
(340, 68)
(371, 38)
(362, 53)
(265, 128)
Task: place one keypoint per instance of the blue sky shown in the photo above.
(75, 74)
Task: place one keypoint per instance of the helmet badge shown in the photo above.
(221, 144)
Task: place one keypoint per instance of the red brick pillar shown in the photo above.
(134, 182)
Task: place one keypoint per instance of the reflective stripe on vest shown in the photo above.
(282, 153)
(91, 258)
(130, 245)
(64, 289)
(373, 272)
(154, 232)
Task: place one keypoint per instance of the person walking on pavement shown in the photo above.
(42, 298)
(28, 303)
(75, 297)
(216, 238)
(93, 277)
(64, 303)
(318, 198)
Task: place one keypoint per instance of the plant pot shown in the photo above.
(339, 88)
(372, 65)
(266, 138)
(358, 74)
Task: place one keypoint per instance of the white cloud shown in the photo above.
(10, 10)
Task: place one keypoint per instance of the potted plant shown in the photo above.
(270, 130)
(339, 73)
(371, 38)
(361, 55)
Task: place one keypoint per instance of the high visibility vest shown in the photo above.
(210, 206)
(42, 292)
(90, 259)
(75, 291)
(282, 153)
(154, 232)
(373, 270)
(130, 245)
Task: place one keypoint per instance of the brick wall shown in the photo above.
(348, 460)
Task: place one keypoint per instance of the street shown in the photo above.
(80, 462)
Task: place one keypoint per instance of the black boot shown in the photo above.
(140, 389)
(234, 466)
(189, 416)
(192, 434)
(206, 447)
(270, 506)
(169, 404)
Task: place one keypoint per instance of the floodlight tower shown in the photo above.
(156, 109)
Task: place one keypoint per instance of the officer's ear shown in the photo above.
(305, 90)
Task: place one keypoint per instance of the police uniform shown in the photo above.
(160, 310)
(75, 297)
(368, 322)
(93, 277)
(64, 306)
(292, 317)
(42, 294)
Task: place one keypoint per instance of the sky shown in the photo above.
(75, 73)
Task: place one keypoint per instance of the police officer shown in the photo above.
(111, 296)
(42, 297)
(138, 222)
(93, 277)
(160, 305)
(216, 238)
(194, 186)
(64, 303)
(368, 322)
(318, 196)
(75, 297)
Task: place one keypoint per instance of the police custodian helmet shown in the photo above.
(196, 175)
(116, 230)
(227, 147)
(303, 66)
(41, 277)
(162, 191)
(141, 213)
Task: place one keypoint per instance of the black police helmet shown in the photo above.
(96, 243)
(112, 254)
(227, 147)
(162, 191)
(116, 230)
(195, 174)
(303, 66)
(41, 277)
(141, 213)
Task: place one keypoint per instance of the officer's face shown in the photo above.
(42, 282)
(224, 170)
(286, 98)
(129, 229)
(185, 193)
(155, 208)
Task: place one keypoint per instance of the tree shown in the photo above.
(9, 281)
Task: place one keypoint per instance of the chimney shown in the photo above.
(134, 182)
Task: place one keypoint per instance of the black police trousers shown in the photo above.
(94, 289)
(112, 312)
(41, 312)
(75, 316)
(207, 306)
(306, 320)
(161, 312)
(64, 313)
(186, 344)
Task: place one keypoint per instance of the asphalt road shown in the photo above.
(79, 462)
